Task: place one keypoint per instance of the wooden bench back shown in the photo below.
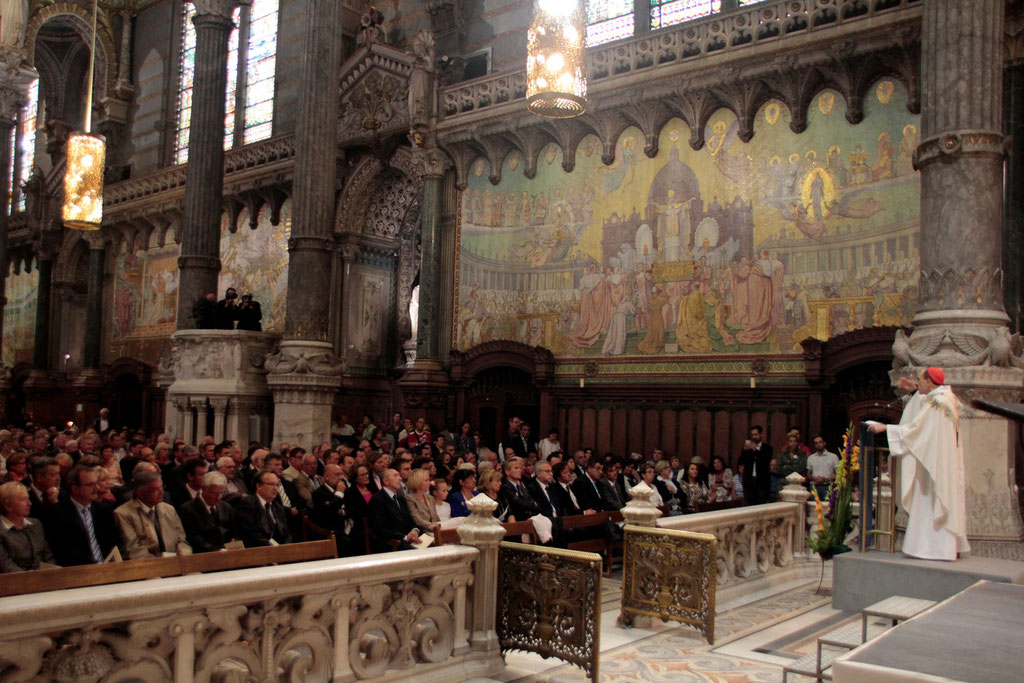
(20, 583)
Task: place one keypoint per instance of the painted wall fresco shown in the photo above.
(145, 292)
(20, 317)
(735, 248)
(256, 262)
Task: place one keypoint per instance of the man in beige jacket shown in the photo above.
(148, 526)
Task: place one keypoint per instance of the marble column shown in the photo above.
(199, 263)
(960, 324)
(425, 386)
(305, 374)
(89, 383)
(45, 254)
(94, 303)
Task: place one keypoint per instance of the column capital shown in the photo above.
(15, 78)
(96, 240)
(428, 161)
(224, 9)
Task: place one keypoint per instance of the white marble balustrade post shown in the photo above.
(482, 531)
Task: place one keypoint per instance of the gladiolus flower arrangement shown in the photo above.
(837, 522)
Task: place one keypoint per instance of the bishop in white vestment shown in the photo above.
(932, 475)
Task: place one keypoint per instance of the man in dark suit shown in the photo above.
(209, 521)
(78, 530)
(389, 516)
(542, 488)
(585, 487)
(45, 488)
(193, 472)
(567, 502)
(756, 459)
(612, 494)
(329, 508)
(261, 519)
(520, 504)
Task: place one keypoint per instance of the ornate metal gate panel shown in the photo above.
(549, 602)
(670, 575)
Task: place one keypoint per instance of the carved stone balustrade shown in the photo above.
(223, 370)
(753, 541)
(390, 617)
(663, 51)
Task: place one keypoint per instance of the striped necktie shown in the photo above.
(94, 545)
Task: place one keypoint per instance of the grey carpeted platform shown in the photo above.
(975, 636)
(861, 579)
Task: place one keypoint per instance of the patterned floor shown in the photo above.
(754, 637)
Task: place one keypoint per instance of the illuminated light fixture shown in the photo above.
(556, 84)
(86, 155)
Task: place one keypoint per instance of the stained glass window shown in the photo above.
(261, 65)
(23, 147)
(27, 144)
(231, 95)
(252, 62)
(186, 71)
(609, 20)
(668, 12)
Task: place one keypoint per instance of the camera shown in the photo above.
(231, 295)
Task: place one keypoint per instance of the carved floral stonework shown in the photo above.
(751, 542)
(392, 620)
(952, 347)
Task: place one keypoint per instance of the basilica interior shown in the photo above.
(765, 213)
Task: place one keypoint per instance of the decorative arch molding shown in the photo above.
(823, 360)
(127, 365)
(793, 79)
(81, 20)
(73, 251)
(379, 199)
(536, 361)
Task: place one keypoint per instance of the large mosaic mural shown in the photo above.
(20, 317)
(252, 261)
(735, 248)
(256, 262)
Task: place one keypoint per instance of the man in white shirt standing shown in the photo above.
(549, 445)
(821, 465)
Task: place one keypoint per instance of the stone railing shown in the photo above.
(658, 50)
(752, 541)
(118, 197)
(394, 616)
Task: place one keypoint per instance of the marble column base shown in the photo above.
(304, 377)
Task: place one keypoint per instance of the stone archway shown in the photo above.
(495, 380)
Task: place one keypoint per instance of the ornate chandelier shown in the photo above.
(86, 155)
(556, 84)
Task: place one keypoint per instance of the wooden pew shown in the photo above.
(19, 583)
(599, 544)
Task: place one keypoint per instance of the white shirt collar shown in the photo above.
(145, 508)
(7, 524)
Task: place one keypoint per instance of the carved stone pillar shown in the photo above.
(482, 531)
(961, 325)
(89, 383)
(220, 411)
(795, 492)
(425, 386)
(305, 374)
(46, 251)
(199, 263)
(94, 306)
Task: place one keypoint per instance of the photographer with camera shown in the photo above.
(249, 314)
(227, 310)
